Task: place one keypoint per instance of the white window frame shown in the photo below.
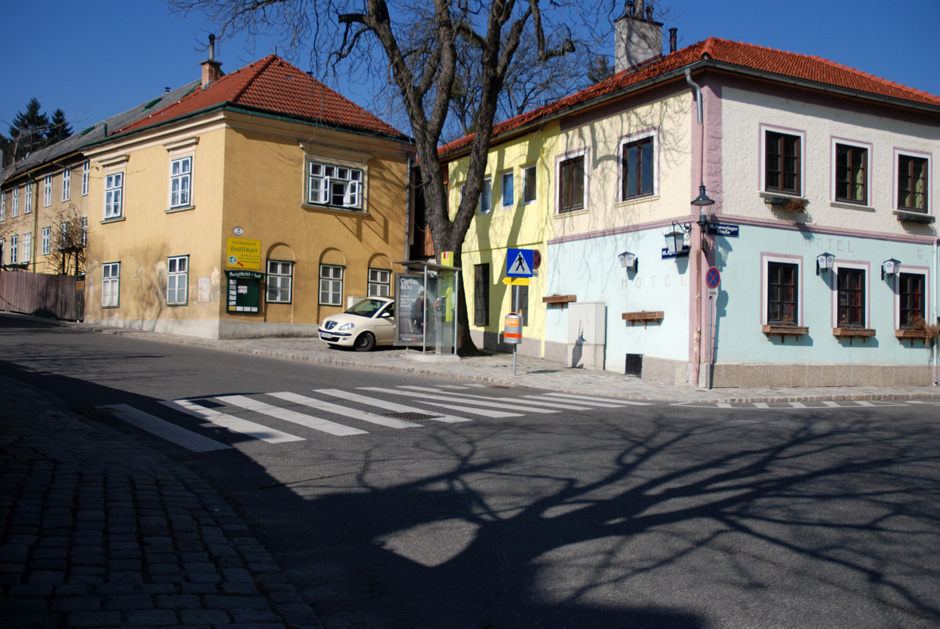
(28, 247)
(84, 231)
(46, 240)
(177, 281)
(111, 285)
(855, 266)
(485, 202)
(535, 185)
(380, 282)
(14, 249)
(3, 205)
(834, 149)
(279, 284)
(630, 139)
(507, 175)
(66, 184)
(766, 259)
(898, 154)
(585, 156)
(15, 206)
(331, 285)
(47, 191)
(114, 195)
(64, 233)
(86, 169)
(181, 182)
(327, 179)
(762, 173)
(910, 270)
(28, 202)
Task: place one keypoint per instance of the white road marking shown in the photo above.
(723, 405)
(529, 399)
(831, 404)
(475, 411)
(235, 424)
(445, 398)
(587, 399)
(302, 419)
(863, 403)
(797, 405)
(166, 430)
(761, 404)
(389, 406)
(389, 422)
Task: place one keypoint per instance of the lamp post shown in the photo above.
(702, 202)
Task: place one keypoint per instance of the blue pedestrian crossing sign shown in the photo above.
(519, 262)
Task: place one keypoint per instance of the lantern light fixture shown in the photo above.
(825, 262)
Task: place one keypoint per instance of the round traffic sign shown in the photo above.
(713, 277)
(536, 259)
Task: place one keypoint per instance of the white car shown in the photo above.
(369, 323)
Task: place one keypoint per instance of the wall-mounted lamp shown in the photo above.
(675, 240)
(825, 262)
(890, 267)
(629, 261)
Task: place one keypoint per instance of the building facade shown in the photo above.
(647, 272)
(254, 206)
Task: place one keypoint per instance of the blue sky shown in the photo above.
(96, 58)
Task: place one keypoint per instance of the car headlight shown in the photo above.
(346, 326)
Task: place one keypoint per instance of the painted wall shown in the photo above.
(248, 173)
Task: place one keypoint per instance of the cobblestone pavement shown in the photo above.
(98, 530)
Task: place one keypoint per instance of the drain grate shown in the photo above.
(411, 415)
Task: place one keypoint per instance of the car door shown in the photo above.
(385, 325)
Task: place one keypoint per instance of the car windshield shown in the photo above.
(367, 307)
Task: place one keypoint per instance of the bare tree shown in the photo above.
(68, 257)
(420, 48)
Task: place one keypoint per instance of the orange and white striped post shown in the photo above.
(512, 334)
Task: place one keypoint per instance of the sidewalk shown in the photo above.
(497, 369)
(98, 530)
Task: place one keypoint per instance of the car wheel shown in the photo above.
(365, 342)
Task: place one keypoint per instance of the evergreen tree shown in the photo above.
(59, 129)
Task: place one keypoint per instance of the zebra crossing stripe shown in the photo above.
(761, 404)
(165, 430)
(831, 404)
(475, 411)
(469, 396)
(797, 405)
(389, 422)
(302, 419)
(388, 406)
(450, 398)
(235, 424)
(863, 403)
(605, 402)
(723, 405)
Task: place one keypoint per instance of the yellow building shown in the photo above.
(254, 206)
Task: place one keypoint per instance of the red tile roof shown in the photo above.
(274, 86)
(726, 54)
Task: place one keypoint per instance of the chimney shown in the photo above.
(211, 69)
(672, 40)
(638, 37)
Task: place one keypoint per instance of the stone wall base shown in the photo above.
(212, 329)
(763, 375)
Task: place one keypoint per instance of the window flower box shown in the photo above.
(643, 317)
(784, 330)
(559, 300)
(852, 333)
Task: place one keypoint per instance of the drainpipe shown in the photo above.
(936, 310)
(34, 237)
(697, 243)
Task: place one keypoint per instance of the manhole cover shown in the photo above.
(410, 415)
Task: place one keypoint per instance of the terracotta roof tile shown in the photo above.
(727, 53)
(275, 86)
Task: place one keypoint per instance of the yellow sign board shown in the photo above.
(243, 254)
(516, 281)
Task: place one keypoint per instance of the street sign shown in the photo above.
(536, 259)
(723, 229)
(712, 292)
(516, 281)
(519, 262)
(712, 277)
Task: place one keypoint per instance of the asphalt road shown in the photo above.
(634, 516)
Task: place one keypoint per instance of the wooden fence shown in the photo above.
(42, 295)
